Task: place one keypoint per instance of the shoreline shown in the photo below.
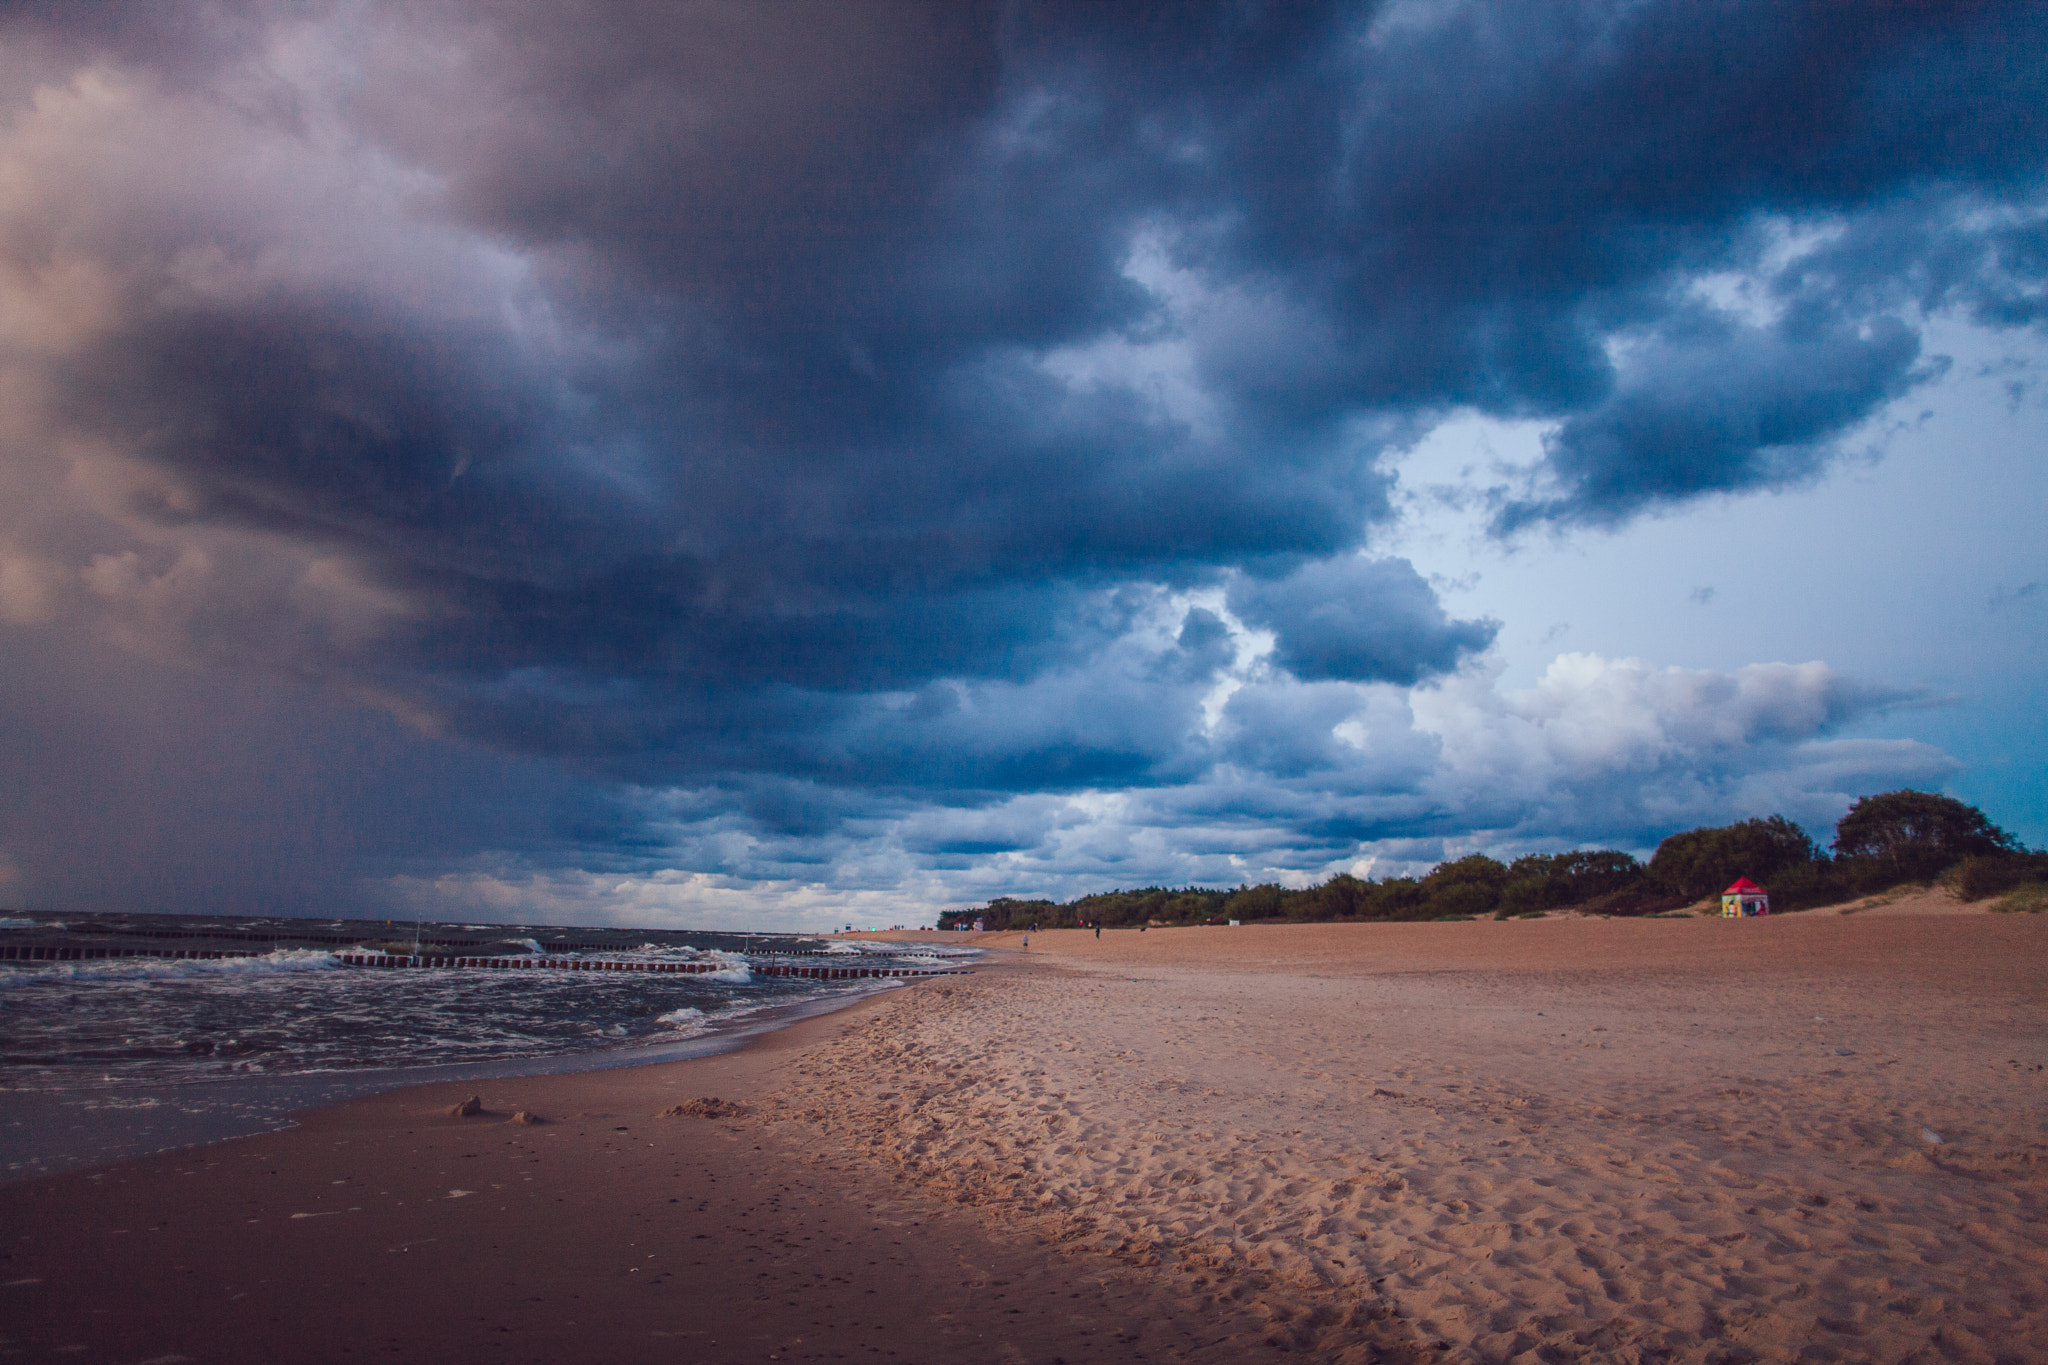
(385, 1227)
(155, 1120)
(1697, 1141)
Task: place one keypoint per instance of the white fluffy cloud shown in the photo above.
(1623, 745)
(1295, 782)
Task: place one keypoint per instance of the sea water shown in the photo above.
(118, 1056)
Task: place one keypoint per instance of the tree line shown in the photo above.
(1882, 842)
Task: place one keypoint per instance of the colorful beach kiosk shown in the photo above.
(1743, 899)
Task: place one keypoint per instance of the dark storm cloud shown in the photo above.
(829, 244)
(871, 395)
(1359, 620)
(1725, 407)
(342, 422)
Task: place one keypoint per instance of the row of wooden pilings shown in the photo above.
(32, 952)
(74, 954)
(572, 964)
(26, 952)
(851, 973)
(585, 964)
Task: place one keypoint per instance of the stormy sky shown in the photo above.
(794, 463)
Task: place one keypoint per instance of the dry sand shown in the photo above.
(1685, 1140)
(1802, 1138)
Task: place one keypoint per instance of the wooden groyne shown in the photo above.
(852, 973)
(32, 952)
(765, 967)
(589, 964)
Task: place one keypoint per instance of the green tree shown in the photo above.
(1263, 901)
(1469, 886)
(1909, 835)
(1395, 898)
(1701, 862)
(1545, 881)
(1342, 897)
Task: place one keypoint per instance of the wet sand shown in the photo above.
(1697, 1141)
(387, 1229)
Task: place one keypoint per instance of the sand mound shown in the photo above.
(527, 1118)
(469, 1108)
(704, 1107)
(1905, 900)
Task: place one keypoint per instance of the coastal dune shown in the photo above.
(1698, 1140)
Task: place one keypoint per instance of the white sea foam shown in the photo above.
(908, 952)
(160, 968)
(733, 968)
(300, 1011)
(123, 1102)
(688, 1020)
(17, 923)
(746, 1009)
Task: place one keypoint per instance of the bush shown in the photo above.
(1526, 896)
(1469, 886)
(1255, 902)
(1546, 881)
(1342, 897)
(2030, 898)
(1395, 898)
(1645, 898)
(1465, 900)
(1983, 875)
(1807, 885)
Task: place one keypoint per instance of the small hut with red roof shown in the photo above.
(1744, 898)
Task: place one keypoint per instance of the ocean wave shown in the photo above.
(169, 969)
(688, 1020)
(135, 1022)
(909, 952)
(731, 968)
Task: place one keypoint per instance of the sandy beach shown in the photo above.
(1808, 1138)
(390, 1229)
